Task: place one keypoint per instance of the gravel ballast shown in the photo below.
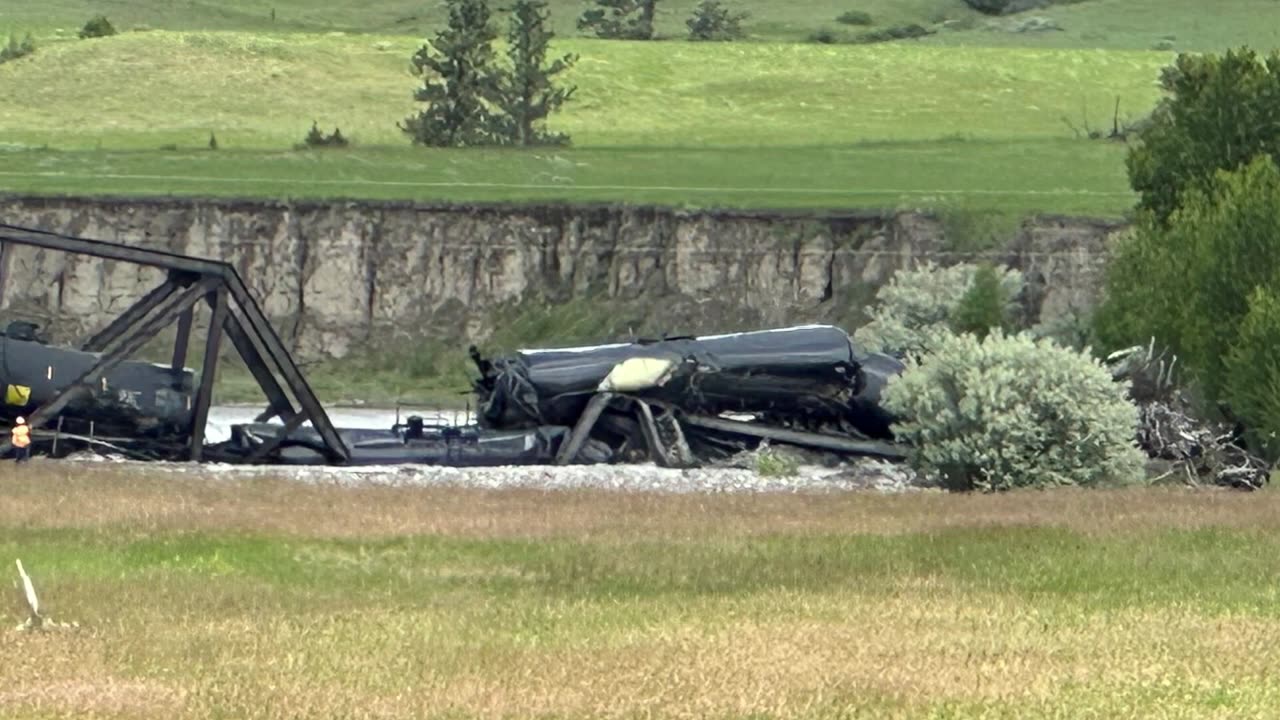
(870, 475)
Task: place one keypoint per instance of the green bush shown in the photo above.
(771, 463)
(897, 32)
(917, 307)
(620, 19)
(986, 306)
(711, 21)
(1219, 114)
(990, 7)
(824, 36)
(1253, 373)
(1008, 412)
(316, 138)
(1008, 7)
(1189, 283)
(15, 49)
(855, 17)
(97, 27)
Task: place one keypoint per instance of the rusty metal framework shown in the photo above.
(234, 313)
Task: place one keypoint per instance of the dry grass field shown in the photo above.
(207, 595)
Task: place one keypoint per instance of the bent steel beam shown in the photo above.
(179, 360)
(278, 403)
(796, 437)
(283, 360)
(109, 250)
(652, 439)
(569, 451)
(217, 300)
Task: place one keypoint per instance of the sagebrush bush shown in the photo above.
(917, 307)
(1012, 411)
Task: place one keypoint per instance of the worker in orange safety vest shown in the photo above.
(21, 433)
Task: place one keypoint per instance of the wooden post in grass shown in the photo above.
(34, 621)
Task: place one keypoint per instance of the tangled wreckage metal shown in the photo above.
(674, 401)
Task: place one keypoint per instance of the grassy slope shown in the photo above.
(262, 599)
(773, 125)
(751, 124)
(770, 19)
(1114, 24)
(262, 91)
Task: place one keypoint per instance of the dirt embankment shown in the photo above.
(337, 275)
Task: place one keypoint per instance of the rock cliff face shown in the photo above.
(336, 276)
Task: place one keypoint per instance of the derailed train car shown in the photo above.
(135, 400)
(676, 401)
(692, 399)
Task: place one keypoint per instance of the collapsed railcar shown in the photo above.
(134, 400)
(675, 401)
(687, 400)
(809, 376)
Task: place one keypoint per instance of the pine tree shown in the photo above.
(620, 19)
(526, 93)
(711, 21)
(459, 81)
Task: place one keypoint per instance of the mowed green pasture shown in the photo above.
(699, 124)
(204, 597)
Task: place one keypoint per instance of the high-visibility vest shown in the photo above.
(21, 436)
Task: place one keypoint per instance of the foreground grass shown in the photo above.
(762, 125)
(209, 597)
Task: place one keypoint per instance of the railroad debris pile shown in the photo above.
(1173, 435)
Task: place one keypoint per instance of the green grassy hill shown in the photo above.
(974, 117)
(1115, 24)
(143, 90)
